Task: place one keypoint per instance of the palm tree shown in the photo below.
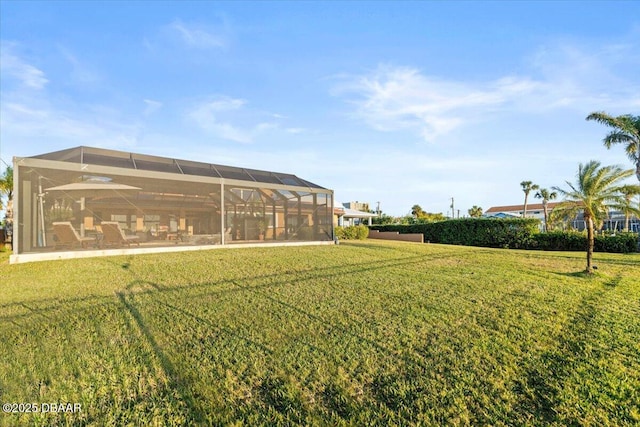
(475, 212)
(626, 130)
(6, 188)
(627, 208)
(545, 195)
(417, 211)
(563, 217)
(596, 189)
(527, 186)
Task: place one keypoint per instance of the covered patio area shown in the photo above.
(156, 202)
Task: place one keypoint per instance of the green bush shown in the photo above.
(560, 241)
(577, 241)
(362, 232)
(515, 233)
(352, 232)
(486, 232)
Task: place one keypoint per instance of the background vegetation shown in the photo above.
(512, 233)
(577, 241)
(486, 232)
(364, 333)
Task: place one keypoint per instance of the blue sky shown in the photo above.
(400, 103)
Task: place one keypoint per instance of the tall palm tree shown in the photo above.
(546, 195)
(596, 189)
(475, 212)
(527, 187)
(626, 130)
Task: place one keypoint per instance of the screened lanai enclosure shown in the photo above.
(85, 199)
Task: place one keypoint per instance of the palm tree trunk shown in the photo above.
(590, 244)
(524, 211)
(544, 206)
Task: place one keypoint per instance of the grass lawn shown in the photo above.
(364, 333)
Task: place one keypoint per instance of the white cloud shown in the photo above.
(588, 77)
(81, 73)
(13, 66)
(52, 126)
(394, 98)
(295, 131)
(229, 118)
(151, 107)
(198, 36)
(206, 116)
(561, 75)
(36, 118)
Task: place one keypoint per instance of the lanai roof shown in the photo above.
(121, 159)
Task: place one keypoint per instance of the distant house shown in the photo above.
(615, 220)
(357, 206)
(534, 210)
(502, 215)
(345, 216)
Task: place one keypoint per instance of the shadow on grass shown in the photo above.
(170, 372)
(579, 275)
(292, 277)
(217, 327)
(613, 282)
(545, 378)
(610, 282)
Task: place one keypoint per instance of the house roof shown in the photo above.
(520, 208)
(502, 215)
(120, 159)
(340, 210)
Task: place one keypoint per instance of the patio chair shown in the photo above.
(67, 236)
(112, 235)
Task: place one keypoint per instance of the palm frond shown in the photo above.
(617, 137)
(626, 123)
(597, 189)
(626, 131)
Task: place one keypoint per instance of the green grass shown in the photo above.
(364, 333)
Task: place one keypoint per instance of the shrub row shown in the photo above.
(515, 233)
(487, 232)
(577, 241)
(352, 232)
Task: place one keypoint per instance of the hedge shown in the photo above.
(514, 233)
(352, 232)
(577, 241)
(487, 232)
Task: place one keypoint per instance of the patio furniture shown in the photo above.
(67, 236)
(113, 235)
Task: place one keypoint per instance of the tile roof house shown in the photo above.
(534, 210)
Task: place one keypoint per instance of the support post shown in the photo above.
(222, 214)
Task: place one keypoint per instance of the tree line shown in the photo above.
(596, 190)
